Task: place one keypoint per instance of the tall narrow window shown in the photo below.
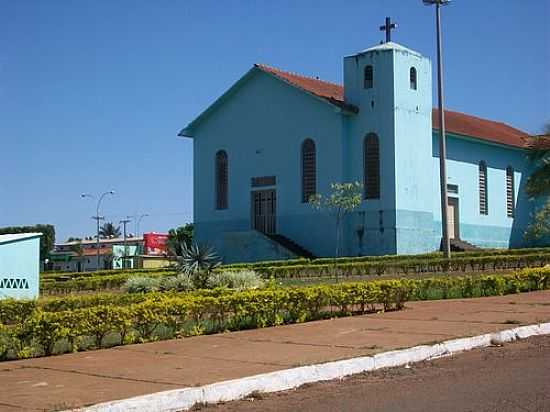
(371, 166)
(483, 206)
(309, 170)
(221, 179)
(412, 78)
(510, 192)
(369, 77)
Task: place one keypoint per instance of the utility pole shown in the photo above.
(124, 223)
(445, 241)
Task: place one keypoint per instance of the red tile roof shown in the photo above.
(332, 92)
(93, 252)
(456, 123)
(467, 125)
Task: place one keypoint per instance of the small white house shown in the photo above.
(19, 265)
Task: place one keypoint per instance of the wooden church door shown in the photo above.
(264, 211)
(452, 218)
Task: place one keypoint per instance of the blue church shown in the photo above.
(275, 138)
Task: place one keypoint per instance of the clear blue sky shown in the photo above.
(93, 93)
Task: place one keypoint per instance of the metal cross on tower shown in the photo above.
(388, 27)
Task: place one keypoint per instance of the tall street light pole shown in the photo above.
(446, 244)
(97, 217)
(139, 221)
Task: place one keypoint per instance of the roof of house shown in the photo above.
(455, 122)
(13, 237)
(87, 242)
(85, 252)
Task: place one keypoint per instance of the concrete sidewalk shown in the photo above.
(86, 378)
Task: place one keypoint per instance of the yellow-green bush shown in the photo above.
(30, 328)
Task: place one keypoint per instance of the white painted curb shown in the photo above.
(184, 399)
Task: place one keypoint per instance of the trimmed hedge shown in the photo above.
(410, 266)
(47, 276)
(320, 268)
(95, 283)
(30, 329)
(388, 258)
(12, 310)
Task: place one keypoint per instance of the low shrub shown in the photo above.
(239, 280)
(178, 283)
(138, 284)
(36, 331)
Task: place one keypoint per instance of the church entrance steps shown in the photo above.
(458, 245)
(291, 246)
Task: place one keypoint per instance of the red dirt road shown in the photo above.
(515, 377)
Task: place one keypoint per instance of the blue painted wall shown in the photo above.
(262, 127)
(20, 261)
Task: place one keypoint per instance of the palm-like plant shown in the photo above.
(109, 230)
(198, 261)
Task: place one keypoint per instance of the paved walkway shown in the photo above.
(86, 378)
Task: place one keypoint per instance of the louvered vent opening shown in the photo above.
(483, 207)
(309, 170)
(510, 192)
(221, 180)
(371, 167)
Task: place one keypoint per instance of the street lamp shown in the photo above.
(442, 144)
(97, 216)
(139, 221)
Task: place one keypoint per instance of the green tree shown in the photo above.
(540, 224)
(109, 230)
(342, 200)
(179, 236)
(538, 183)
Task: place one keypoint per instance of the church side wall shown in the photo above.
(261, 128)
(496, 229)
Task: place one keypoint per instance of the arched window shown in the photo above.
(309, 170)
(221, 179)
(510, 192)
(483, 204)
(371, 166)
(412, 78)
(369, 77)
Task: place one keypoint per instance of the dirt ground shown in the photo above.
(514, 377)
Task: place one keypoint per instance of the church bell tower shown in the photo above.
(391, 86)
